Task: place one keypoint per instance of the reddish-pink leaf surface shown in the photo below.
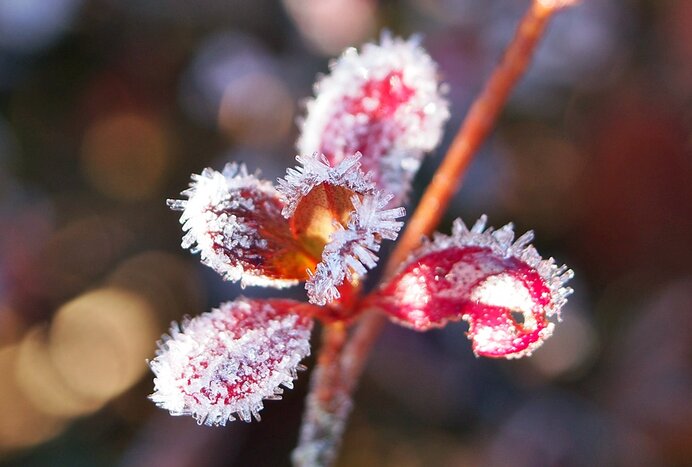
(227, 361)
(383, 102)
(234, 220)
(504, 290)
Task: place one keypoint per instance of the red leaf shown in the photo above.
(504, 290)
(225, 362)
(234, 220)
(385, 103)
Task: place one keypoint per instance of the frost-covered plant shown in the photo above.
(372, 120)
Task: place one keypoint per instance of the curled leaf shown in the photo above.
(501, 287)
(351, 250)
(316, 170)
(336, 213)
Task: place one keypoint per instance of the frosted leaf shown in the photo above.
(384, 102)
(316, 170)
(351, 250)
(224, 363)
(233, 219)
(501, 287)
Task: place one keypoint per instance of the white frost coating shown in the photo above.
(351, 251)
(464, 274)
(413, 290)
(244, 347)
(486, 338)
(506, 291)
(417, 125)
(501, 242)
(208, 226)
(314, 171)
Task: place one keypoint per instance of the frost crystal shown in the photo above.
(502, 287)
(385, 103)
(225, 362)
(316, 169)
(501, 242)
(233, 220)
(351, 251)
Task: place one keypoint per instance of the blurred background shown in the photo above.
(107, 106)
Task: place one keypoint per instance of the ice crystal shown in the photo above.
(233, 220)
(316, 170)
(502, 243)
(351, 250)
(224, 363)
(385, 103)
(336, 212)
(503, 288)
(372, 120)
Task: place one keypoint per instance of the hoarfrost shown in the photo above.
(315, 170)
(384, 102)
(501, 243)
(224, 363)
(219, 220)
(502, 287)
(351, 250)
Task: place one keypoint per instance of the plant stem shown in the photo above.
(327, 406)
(474, 130)
(341, 362)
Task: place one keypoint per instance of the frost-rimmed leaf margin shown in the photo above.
(351, 250)
(247, 348)
(315, 169)
(205, 229)
(503, 288)
(501, 242)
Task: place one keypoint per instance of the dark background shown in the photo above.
(107, 106)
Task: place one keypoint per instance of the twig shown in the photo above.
(327, 406)
(475, 128)
(340, 367)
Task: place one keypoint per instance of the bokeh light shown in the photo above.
(21, 423)
(30, 25)
(42, 384)
(126, 156)
(99, 342)
(256, 109)
(170, 285)
(234, 83)
(573, 346)
(329, 26)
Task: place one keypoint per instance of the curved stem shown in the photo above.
(340, 366)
